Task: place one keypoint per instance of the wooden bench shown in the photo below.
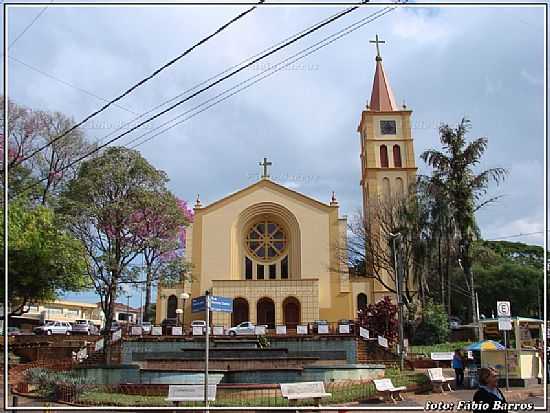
(190, 393)
(438, 380)
(388, 390)
(304, 390)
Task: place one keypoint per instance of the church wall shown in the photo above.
(215, 248)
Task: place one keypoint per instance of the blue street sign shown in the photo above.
(221, 304)
(198, 304)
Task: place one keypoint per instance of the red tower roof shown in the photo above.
(381, 99)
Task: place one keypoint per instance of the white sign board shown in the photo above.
(503, 309)
(406, 343)
(217, 330)
(442, 355)
(343, 328)
(382, 341)
(505, 324)
(190, 392)
(363, 332)
(259, 330)
(135, 331)
(117, 335)
(470, 355)
(99, 344)
(301, 329)
(156, 331)
(322, 329)
(280, 330)
(197, 330)
(177, 331)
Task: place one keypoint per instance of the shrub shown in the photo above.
(434, 327)
(49, 383)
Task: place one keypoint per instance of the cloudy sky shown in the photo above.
(485, 63)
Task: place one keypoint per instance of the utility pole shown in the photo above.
(206, 346)
(398, 288)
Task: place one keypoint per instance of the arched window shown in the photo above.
(171, 307)
(397, 156)
(240, 311)
(265, 312)
(361, 302)
(399, 187)
(386, 189)
(291, 312)
(383, 156)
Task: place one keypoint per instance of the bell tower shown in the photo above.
(387, 153)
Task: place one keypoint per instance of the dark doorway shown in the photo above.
(291, 312)
(361, 302)
(172, 306)
(240, 311)
(265, 311)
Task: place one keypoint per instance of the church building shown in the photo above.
(275, 251)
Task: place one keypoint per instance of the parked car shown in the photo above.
(14, 331)
(454, 323)
(146, 327)
(54, 327)
(314, 327)
(198, 323)
(246, 327)
(115, 326)
(84, 327)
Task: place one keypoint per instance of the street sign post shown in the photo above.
(504, 314)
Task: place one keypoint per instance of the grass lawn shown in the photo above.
(438, 347)
(341, 393)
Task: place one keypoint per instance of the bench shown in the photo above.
(388, 390)
(438, 380)
(190, 393)
(304, 390)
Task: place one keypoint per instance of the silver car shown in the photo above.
(84, 327)
(54, 327)
(244, 328)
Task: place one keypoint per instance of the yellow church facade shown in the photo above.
(278, 253)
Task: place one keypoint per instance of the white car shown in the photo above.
(54, 327)
(246, 327)
(199, 323)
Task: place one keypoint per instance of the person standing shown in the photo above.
(458, 366)
(488, 393)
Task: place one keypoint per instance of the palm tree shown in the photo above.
(463, 189)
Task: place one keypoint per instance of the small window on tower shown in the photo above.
(284, 268)
(387, 127)
(248, 268)
(272, 271)
(260, 272)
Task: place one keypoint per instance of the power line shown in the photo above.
(141, 82)
(286, 44)
(40, 13)
(519, 235)
(278, 67)
(212, 78)
(28, 66)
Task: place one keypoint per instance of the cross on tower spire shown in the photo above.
(377, 41)
(265, 164)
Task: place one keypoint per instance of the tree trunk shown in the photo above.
(148, 285)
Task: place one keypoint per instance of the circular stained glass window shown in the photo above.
(266, 240)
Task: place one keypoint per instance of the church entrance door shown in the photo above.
(291, 312)
(265, 311)
(240, 311)
(172, 307)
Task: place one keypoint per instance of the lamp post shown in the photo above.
(128, 308)
(398, 286)
(184, 297)
(179, 312)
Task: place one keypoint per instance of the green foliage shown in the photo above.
(434, 327)
(426, 350)
(44, 260)
(49, 383)
(263, 341)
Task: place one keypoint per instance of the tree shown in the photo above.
(380, 319)
(161, 227)
(462, 188)
(434, 326)
(43, 260)
(369, 251)
(99, 207)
